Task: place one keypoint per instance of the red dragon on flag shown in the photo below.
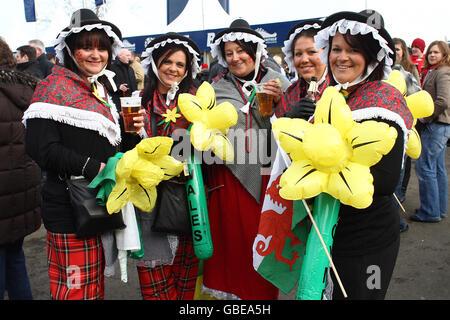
(281, 240)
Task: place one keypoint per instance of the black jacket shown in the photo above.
(124, 74)
(20, 176)
(63, 149)
(57, 145)
(44, 65)
(31, 67)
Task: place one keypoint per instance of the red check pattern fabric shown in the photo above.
(77, 94)
(159, 107)
(75, 267)
(172, 282)
(379, 94)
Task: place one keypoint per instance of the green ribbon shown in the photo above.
(106, 179)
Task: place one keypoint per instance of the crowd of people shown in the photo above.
(50, 110)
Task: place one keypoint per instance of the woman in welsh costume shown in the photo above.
(359, 53)
(238, 187)
(168, 270)
(72, 130)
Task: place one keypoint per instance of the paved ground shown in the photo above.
(421, 272)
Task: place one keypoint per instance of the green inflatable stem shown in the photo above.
(315, 264)
(201, 232)
(198, 209)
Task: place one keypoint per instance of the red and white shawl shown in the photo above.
(64, 97)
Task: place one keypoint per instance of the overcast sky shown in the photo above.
(403, 19)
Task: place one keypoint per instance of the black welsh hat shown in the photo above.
(364, 22)
(168, 39)
(289, 42)
(85, 19)
(239, 30)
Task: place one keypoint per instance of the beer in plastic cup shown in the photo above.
(130, 109)
(265, 101)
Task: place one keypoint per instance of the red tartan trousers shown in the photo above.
(75, 267)
(172, 282)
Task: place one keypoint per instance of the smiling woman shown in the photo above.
(303, 58)
(172, 68)
(435, 133)
(234, 209)
(240, 63)
(168, 269)
(347, 63)
(72, 130)
(92, 52)
(359, 55)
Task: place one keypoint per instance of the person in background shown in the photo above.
(403, 58)
(215, 69)
(411, 75)
(359, 55)
(19, 178)
(303, 59)
(430, 167)
(72, 130)
(126, 84)
(417, 49)
(203, 74)
(139, 72)
(51, 57)
(124, 78)
(270, 62)
(235, 204)
(26, 61)
(169, 268)
(45, 65)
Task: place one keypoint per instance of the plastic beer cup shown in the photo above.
(265, 101)
(130, 109)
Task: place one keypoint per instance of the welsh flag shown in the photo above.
(279, 246)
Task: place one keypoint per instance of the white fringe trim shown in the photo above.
(219, 294)
(287, 49)
(79, 118)
(355, 27)
(233, 36)
(60, 42)
(147, 56)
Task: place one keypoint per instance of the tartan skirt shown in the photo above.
(171, 282)
(75, 267)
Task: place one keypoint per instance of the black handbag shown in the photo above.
(91, 219)
(171, 209)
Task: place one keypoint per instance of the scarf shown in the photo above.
(426, 72)
(166, 125)
(377, 99)
(64, 97)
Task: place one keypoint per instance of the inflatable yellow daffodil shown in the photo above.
(210, 121)
(139, 171)
(334, 154)
(420, 104)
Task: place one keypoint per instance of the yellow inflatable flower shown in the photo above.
(334, 154)
(210, 121)
(139, 171)
(420, 104)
